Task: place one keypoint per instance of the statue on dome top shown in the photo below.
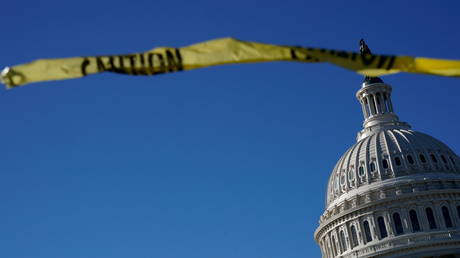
(365, 50)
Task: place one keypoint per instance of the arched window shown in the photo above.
(414, 221)
(422, 158)
(385, 163)
(410, 159)
(433, 158)
(367, 231)
(351, 174)
(458, 211)
(446, 215)
(361, 171)
(430, 217)
(398, 224)
(382, 227)
(334, 248)
(354, 236)
(343, 242)
(398, 161)
(451, 159)
(372, 166)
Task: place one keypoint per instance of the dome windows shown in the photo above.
(384, 163)
(343, 242)
(390, 153)
(410, 159)
(385, 191)
(372, 166)
(422, 158)
(351, 174)
(361, 171)
(398, 224)
(351, 238)
(351, 177)
(367, 231)
(446, 215)
(337, 185)
(433, 158)
(343, 178)
(398, 161)
(343, 181)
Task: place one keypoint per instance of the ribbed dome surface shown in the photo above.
(389, 154)
(395, 193)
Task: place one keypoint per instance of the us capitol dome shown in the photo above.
(394, 193)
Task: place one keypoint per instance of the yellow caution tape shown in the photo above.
(217, 52)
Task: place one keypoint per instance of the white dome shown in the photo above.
(395, 193)
(389, 154)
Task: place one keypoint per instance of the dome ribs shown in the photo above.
(374, 158)
(390, 171)
(359, 163)
(376, 155)
(351, 168)
(393, 192)
(367, 159)
(409, 150)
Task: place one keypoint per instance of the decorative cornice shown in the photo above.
(345, 215)
(407, 244)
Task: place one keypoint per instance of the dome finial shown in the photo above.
(375, 99)
(365, 50)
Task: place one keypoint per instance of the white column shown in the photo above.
(439, 218)
(367, 106)
(405, 219)
(328, 247)
(389, 223)
(422, 219)
(335, 248)
(386, 104)
(337, 241)
(390, 105)
(373, 225)
(454, 215)
(323, 249)
(360, 232)
(371, 103)
(377, 106)
(382, 103)
(363, 106)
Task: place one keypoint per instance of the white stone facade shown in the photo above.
(395, 193)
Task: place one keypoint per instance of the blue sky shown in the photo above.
(227, 161)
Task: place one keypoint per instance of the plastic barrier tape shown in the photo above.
(218, 52)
